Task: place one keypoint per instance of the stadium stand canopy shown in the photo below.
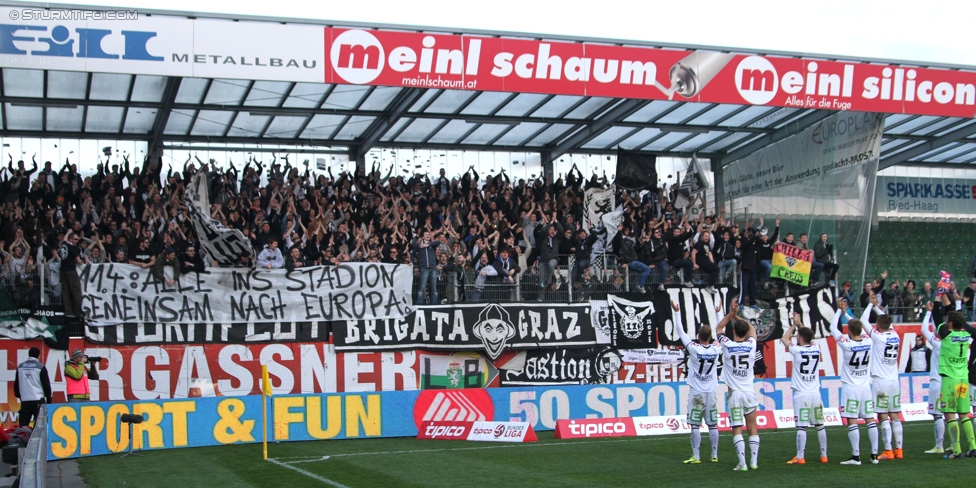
(71, 100)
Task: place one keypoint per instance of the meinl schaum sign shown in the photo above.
(124, 293)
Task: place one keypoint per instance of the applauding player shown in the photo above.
(855, 377)
(805, 383)
(957, 338)
(703, 357)
(887, 389)
(935, 381)
(739, 357)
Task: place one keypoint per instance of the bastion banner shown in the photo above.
(124, 293)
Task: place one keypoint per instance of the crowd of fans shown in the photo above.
(489, 229)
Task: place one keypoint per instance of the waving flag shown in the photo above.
(791, 263)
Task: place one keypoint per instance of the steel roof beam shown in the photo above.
(372, 135)
(927, 146)
(594, 128)
(162, 116)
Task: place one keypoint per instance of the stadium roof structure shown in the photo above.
(141, 79)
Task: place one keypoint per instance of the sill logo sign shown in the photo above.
(357, 56)
(36, 40)
(756, 80)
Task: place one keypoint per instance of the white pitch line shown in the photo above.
(310, 475)
(307, 459)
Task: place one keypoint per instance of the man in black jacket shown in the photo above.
(765, 250)
(676, 252)
(548, 249)
(626, 249)
(654, 252)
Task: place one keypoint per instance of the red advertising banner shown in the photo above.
(466, 62)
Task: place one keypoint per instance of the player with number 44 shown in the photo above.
(856, 400)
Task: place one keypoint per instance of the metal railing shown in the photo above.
(33, 468)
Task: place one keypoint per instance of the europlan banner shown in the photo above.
(165, 45)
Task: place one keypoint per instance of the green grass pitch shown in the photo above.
(616, 462)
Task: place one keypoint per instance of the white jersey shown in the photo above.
(702, 361)
(936, 343)
(739, 359)
(703, 366)
(884, 354)
(806, 368)
(856, 360)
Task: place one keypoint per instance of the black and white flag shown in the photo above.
(220, 243)
(692, 183)
(597, 202)
(636, 318)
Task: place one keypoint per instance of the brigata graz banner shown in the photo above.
(489, 328)
(124, 293)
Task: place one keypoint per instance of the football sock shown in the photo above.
(822, 437)
(939, 430)
(873, 436)
(713, 439)
(898, 432)
(854, 436)
(967, 428)
(801, 441)
(695, 441)
(886, 434)
(953, 428)
(740, 448)
(754, 448)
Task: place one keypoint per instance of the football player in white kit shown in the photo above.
(805, 383)
(739, 357)
(855, 376)
(885, 385)
(703, 357)
(935, 381)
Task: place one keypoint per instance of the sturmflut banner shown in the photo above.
(124, 293)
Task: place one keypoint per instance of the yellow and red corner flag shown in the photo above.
(791, 263)
(265, 393)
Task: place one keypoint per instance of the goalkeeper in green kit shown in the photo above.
(957, 337)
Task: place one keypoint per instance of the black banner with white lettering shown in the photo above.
(565, 367)
(490, 328)
(137, 334)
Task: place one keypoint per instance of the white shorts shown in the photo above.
(887, 395)
(935, 390)
(740, 403)
(701, 408)
(856, 402)
(807, 408)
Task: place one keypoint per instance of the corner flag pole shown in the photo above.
(265, 393)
